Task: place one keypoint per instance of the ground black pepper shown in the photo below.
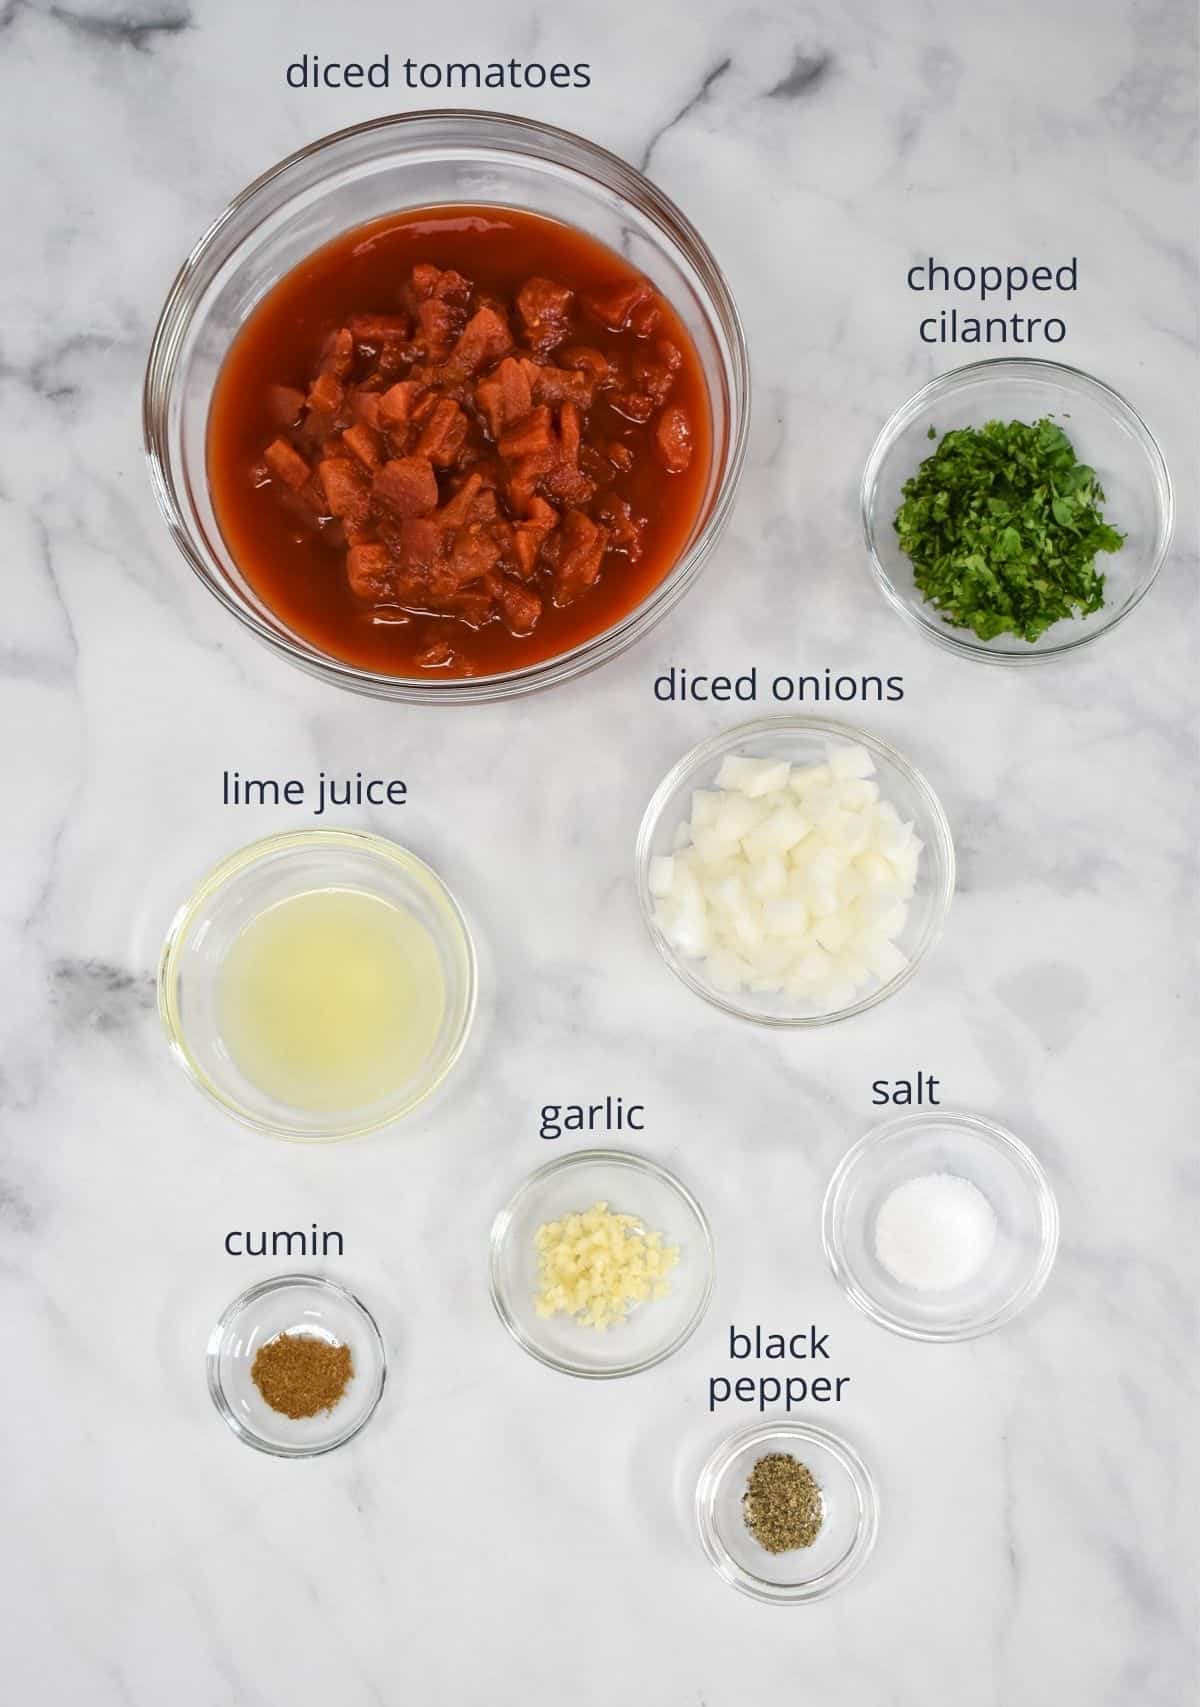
(782, 1503)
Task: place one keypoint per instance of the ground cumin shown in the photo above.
(299, 1375)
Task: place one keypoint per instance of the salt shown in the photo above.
(935, 1232)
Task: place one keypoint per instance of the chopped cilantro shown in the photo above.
(1003, 526)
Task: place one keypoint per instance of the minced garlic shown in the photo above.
(595, 1264)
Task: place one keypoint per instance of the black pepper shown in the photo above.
(782, 1503)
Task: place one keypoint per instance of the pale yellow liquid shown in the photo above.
(331, 999)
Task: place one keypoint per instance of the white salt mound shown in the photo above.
(935, 1232)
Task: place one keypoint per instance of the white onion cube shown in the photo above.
(850, 761)
(811, 969)
(768, 877)
(786, 916)
(685, 885)
(886, 961)
(724, 971)
(660, 876)
(705, 802)
(777, 834)
(832, 933)
(826, 867)
(753, 776)
(736, 817)
(875, 871)
(822, 902)
(806, 778)
(849, 831)
(712, 847)
(856, 794)
(690, 933)
(892, 922)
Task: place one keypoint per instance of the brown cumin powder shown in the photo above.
(299, 1376)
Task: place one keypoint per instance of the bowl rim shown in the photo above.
(234, 865)
(953, 639)
(502, 1227)
(275, 1283)
(729, 738)
(602, 166)
(737, 1575)
(1000, 1138)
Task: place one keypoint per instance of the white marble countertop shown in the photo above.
(501, 1534)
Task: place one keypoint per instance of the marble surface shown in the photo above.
(500, 1533)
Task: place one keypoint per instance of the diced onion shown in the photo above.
(790, 879)
(662, 875)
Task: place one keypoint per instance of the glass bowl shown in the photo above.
(850, 1515)
(239, 890)
(305, 1305)
(802, 740)
(631, 1185)
(404, 161)
(1107, 433)
(1000, 1166)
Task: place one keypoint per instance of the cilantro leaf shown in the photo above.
(1003, 526)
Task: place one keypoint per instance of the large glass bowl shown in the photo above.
(803, 741)
(1108, 434)
(387, 165)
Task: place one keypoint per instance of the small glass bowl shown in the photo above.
(1003, 1169)
(848, 1530)
(802, 740)
(388, 165)
(1108, 434)
(630, 1185)
(295, 1304)
(242, 887)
